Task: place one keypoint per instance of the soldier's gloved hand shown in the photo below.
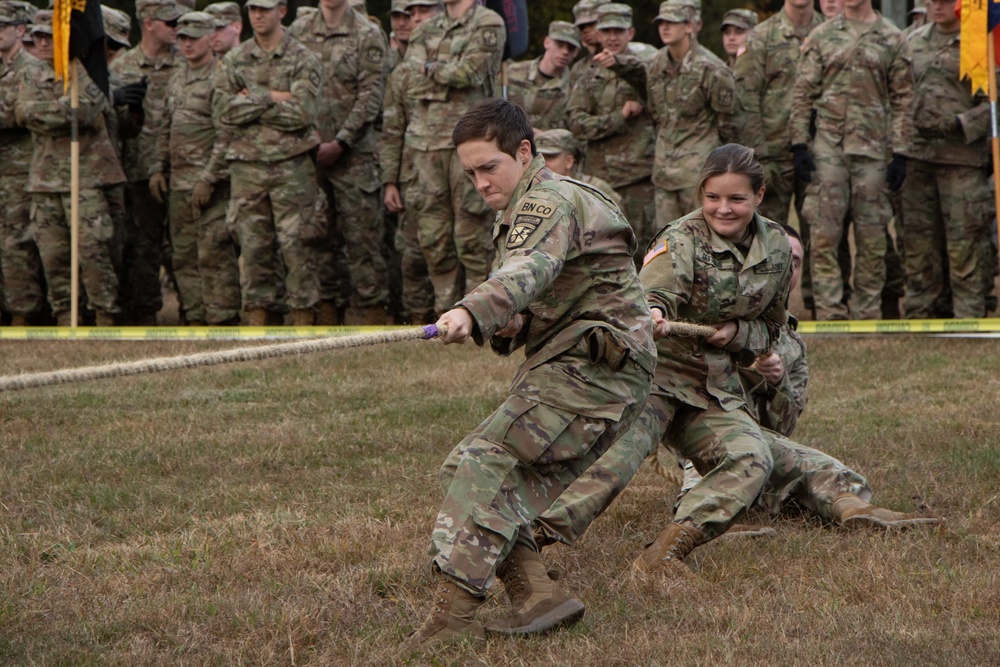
(896, 173)
(158, 187)
(201, 195)
(802, 162)
(130, 95)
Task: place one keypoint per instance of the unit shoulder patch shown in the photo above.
(522, 228)
(655, 251)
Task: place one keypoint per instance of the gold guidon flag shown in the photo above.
(61, 12)
(973, 54)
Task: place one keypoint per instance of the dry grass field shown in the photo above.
(278, 514)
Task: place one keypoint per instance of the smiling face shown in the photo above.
(728, 203)
(614, 40)
(494, 174)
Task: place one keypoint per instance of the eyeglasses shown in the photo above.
(172, 23)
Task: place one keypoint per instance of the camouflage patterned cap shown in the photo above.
(556, 141)
(117, 26)
(10, 15)
(186, 4)
(919, 7)
(423, 3)
(196, 25)
(225, 13)
(585, 11)
(158, 10)
(41, 24)
(265, 4)
(400, 7)
(565, 31)
(740, 18)
(614, 15)
(695, 6)
(674, 12)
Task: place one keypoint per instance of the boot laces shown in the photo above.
(683, 544)
(514, 580)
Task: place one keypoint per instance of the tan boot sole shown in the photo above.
(566, 614)
(861, 520)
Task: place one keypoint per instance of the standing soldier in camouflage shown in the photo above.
(270, 92)
(541, 86)
(20, 265)
(229, 26)
(736, 26)
(947, 194)
(352, 52)
(451, 63)
(399, 21)
(585, 20)
(153, 60)
(608, 113)
(562, 156)
(204, 255)
(566, 291)
(44, 109)
(856, 72)
(917, 17)
(688, 92)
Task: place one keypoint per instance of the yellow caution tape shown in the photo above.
(838, 327)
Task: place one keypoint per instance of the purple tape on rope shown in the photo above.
(430, 331)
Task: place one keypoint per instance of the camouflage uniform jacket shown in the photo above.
(44, 109)
(860, 85)
(601, 185)
(765, 78)
(353, 58)
(395, 119)
(542, 97)
(778, 407)
(259, 129)
(692, 274)
(15, 139)
(122, 123)
(939, 92)
(131, 67)
(620, 150)
(564, 262)
(452, 65)
(187, 134)
(691, 103)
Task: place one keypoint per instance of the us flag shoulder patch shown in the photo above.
(655, 251)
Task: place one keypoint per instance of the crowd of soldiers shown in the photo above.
(307, 176)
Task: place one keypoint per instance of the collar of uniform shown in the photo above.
(755, 255)
(530, 178)
(206, 71)
(156, 63)
(279, 50)
(844, 24)
(929, 31)
(788, 28)
(450, 23)
(346, 26)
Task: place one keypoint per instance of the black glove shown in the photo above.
(130, 95)
(802, 162)
(896, 173)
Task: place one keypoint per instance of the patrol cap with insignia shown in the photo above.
(565, 31)
(585, 12)
(225, 13)
(614, 15)
(42, 23)
(196, 25)
(265, 4)
(555, 141)
(158, 10)
(674, 12)
(745, 19)
(117, 26)
(400, 7)
(10, 15)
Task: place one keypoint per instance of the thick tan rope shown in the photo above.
(27, 381)
(690, 330)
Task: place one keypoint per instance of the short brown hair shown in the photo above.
(495, 120)
(730, 159)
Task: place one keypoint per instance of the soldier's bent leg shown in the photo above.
(184, 233)
(473, 226)
(967, 205)
(249, 214)
(20, 265)
(731, 454)
(870, 212)
(824, 209)
(298, 227)
(218, 261)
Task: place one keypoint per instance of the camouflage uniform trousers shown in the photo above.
(454, 224)
(352, 191)
(50, 221)
(640, 211)
(205, 258)
(726, 447)
(512, 468)
(274, 208)
(118, 211)
(20, 265)
(143, 254)
(393, 263)
(953, 204)
(417, 292)
(671, 205)
(840, 185)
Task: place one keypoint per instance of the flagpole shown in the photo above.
(74, 157)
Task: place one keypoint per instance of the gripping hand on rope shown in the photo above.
(455, 326)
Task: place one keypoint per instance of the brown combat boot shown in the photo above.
(328, 315)
(19, 321)
(64, 319)
(539, 605)
(303, 317)
(256, 317)
(451, 618)
(848, 509)
(374, 316)
(669, 548)
(103, 319)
